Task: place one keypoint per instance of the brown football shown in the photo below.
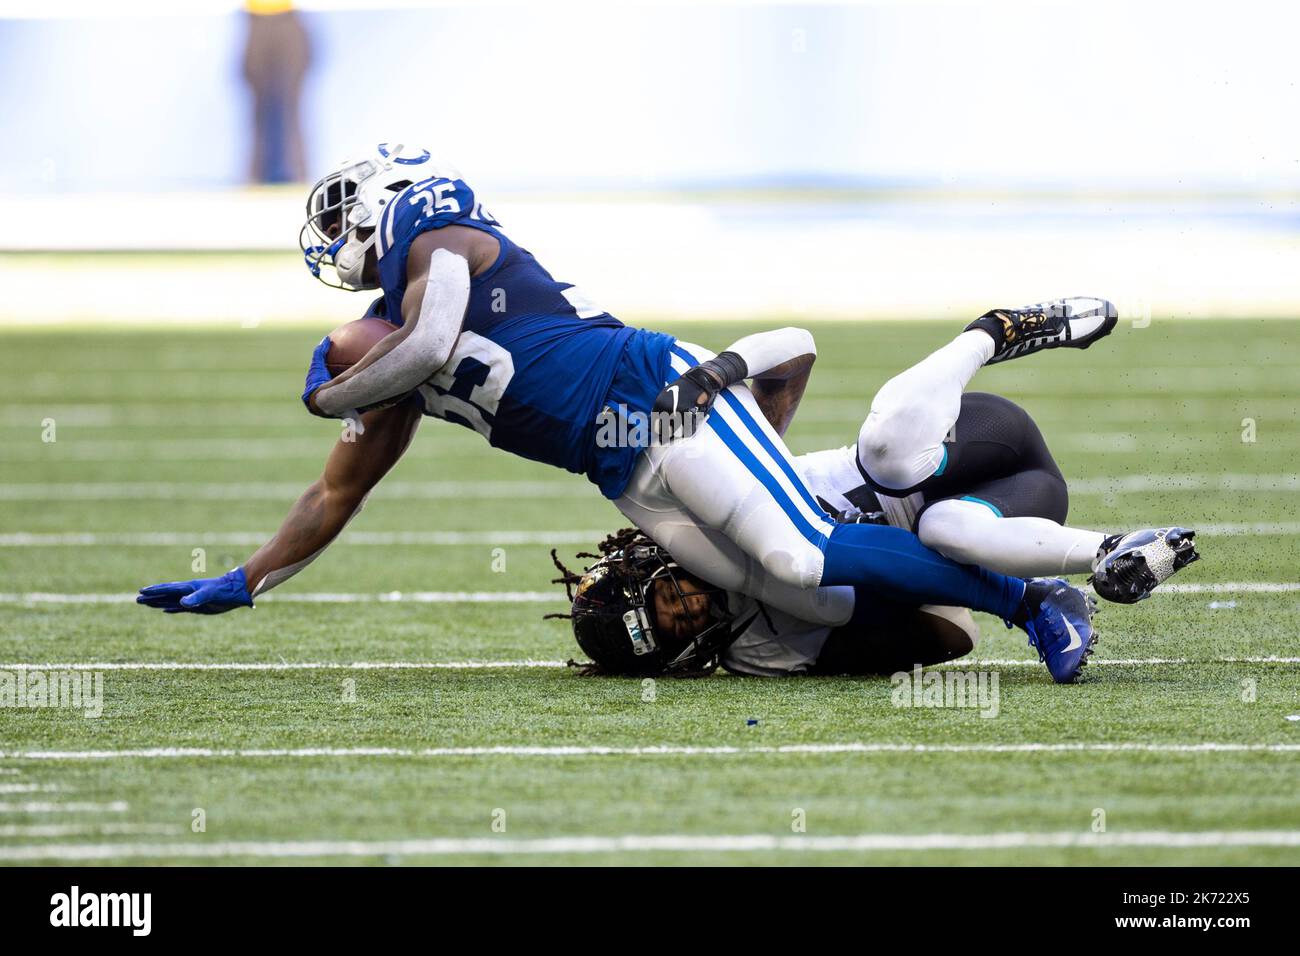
(349, 342)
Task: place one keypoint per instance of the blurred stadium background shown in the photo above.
(715, 160)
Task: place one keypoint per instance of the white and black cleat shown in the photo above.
(1062, 323)
(1130, 566)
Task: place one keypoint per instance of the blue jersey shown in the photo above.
(536, 363)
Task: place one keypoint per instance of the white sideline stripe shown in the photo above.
(1128, 661)
(286, 665)
(530, 597)
(156, 490)
(1226, 482)
(1230, 587)
(282, 491)
(87, 829)
(31, 788)
(23, 539)
(664, 750)
(1231, 529)
(35, 806)
(325, 597)
(532, 663)
(667, 843)
(26, 539)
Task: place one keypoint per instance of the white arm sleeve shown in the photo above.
(766, 350)
(420, 354)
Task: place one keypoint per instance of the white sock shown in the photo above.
(969, 533)
(944, 373)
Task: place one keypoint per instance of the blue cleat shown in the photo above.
(1061, 629)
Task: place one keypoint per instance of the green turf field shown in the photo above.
(197, 440)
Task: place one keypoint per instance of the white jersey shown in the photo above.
(775, 643)
(833, 474)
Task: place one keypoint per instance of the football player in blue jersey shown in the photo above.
(489, 340)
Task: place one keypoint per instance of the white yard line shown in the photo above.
(529, 663)
(74, 806)
(157, 490)
(1230, 587)
(1128, 661)
(86, 449)
(1234, 529)
(31, 788)
(668, 843)
(1226, 482)
(666, 750)
(88, 829)
(326, 597)
(282, 491)
(187, 539)
(283, 665)
(530, 597)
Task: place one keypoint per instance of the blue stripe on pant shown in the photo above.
(737, 447)
(757, 432)
(889, 560)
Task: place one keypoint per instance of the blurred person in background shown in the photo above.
(277, 54)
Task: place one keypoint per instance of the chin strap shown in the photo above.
(349, 259)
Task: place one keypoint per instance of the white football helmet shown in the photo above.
(353, 197)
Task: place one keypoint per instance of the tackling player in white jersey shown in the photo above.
(969, 473)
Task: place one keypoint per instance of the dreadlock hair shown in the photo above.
(614, 547)
(615, 543)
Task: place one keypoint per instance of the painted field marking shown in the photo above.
(668, 843)
(530, 597)
(283, 491)
(156, 490)
(187, 539)
(1227, 482)
(31, 788)
(530, 663)
(74, 806)
(1230, 587)
(22, 539)
(283, 665)
(88, 829)
(665, 750)
(326, 597)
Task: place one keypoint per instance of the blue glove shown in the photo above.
(200, 596)
(317, 373)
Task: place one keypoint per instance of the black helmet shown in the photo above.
(614, 622)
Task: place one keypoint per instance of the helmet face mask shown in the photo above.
(617, 615)
(351, 199)
(333, 251)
